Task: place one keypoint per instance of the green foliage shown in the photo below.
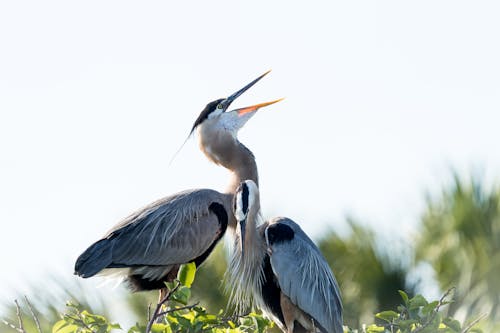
(460, 238)
(78, 320)
(369, 279)
(417, 315)
(208, 287)
(186, 274)
(414, 315)
(172, 314)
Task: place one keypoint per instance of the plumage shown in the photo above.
(305, 277)
(147, 248)
(171, 231)
(278, 268)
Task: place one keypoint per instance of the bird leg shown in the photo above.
(288, 310)
(292, 313)
(163, 293)
(162, 299)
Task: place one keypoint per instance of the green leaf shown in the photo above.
(67, 329)
(429, 307)
(186, 323)
(453, 324)
(417, 302)
(186, 274)
(404, 296)
(388, 316)
(58, 325)
(406, 324)
(159, 328)
(375, 329)
(207, 318)
(182, 295)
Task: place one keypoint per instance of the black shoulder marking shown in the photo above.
(206, 111)
(223, 218)
(221, 214)
(244, 198)
(279, 232)
(271, 292)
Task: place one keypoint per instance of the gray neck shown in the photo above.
(225, 150)
(242, 167)
(245, 270)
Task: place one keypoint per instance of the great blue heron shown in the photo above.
(147, 248)
(277, 267)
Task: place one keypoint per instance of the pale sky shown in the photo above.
(382, 98)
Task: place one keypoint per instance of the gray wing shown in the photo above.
(173, 230)
(303, 273)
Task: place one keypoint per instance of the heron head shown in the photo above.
(217, 111)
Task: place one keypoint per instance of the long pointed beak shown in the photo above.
(237, 94)
(243, 224)
(255, 107)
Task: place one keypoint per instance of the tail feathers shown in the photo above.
(97, 257)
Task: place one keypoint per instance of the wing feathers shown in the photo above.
(170, 231)
(305, 277)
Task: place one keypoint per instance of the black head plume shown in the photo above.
(211, 107)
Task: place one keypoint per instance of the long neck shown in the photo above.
(242, 166)
(245, 273)
(254, 243)
(224, 149)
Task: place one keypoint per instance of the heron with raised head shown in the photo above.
(147, 248)
(277, 267)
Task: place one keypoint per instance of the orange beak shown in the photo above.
(255, 107)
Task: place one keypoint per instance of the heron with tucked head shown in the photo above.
(147, 248)
(277, 267)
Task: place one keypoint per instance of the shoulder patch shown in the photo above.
(279, 232)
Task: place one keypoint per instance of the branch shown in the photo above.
(436, 310)
(234, 318)
(79, 320)
(474, 322)
(20, 329)
(19, 316)
(35, 317)
(157, 311)
(187, 307)
(13, 326)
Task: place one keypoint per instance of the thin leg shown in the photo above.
(288, 310)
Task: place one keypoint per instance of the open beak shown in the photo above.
(243, 224)
(237, 94)
(255, 107)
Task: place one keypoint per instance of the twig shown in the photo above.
(474, 322)
(79, 320)
(13, 326)
(20, 329)
(19, 317)
(187, 307)
(159, 305)
(35, 317)
(232, 318)
(436, 310)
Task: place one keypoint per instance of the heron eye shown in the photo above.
(219, 106)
